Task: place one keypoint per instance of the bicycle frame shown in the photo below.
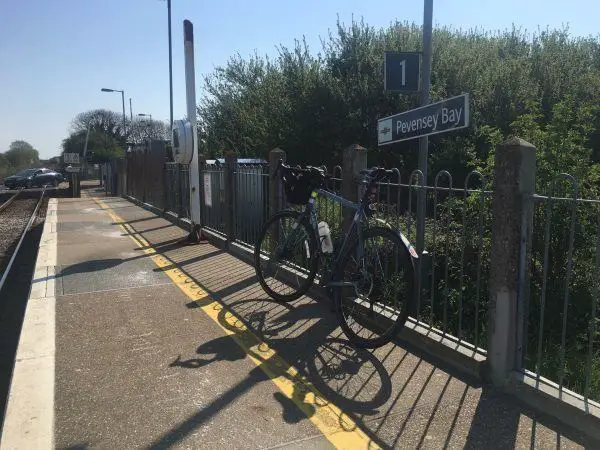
(310, 213)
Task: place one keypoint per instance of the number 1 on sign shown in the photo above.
(403, 65)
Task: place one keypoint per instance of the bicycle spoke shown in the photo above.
(284, 257)
(371, 312)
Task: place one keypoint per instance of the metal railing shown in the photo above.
(562, 298)
(452, 282)
(330, 211)
(184, 191)
(172, 188)
(251, 201)
(562, 292)
(212, 200)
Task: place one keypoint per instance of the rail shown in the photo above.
(8, 202)
(22, 238)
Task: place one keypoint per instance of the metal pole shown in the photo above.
(170, 67)
(124, 117)
(87, 136)
(424, 141)
(130, 111)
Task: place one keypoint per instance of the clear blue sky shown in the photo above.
(56, 54)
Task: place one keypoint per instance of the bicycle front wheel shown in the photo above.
(373, 304)
(285, 256)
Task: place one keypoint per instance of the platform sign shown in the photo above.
(402, 72)
(207, 190)
(448, 115)
(71, 158)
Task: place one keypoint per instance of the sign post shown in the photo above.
(424, 141)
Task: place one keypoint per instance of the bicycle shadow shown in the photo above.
(324, 370)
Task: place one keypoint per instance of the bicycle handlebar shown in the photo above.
(313, 169)
(377, 173)
(374, 173)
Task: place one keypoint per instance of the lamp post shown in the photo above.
(170, 66)
(123, 100)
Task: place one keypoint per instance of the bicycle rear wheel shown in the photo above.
(376, 305)
(285, 256)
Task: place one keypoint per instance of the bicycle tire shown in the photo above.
(404, 260)
(313, 262)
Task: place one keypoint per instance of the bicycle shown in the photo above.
(289, 251)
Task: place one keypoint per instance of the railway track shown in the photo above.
(7, 200)
(17, 214)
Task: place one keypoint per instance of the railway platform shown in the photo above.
(133, 340)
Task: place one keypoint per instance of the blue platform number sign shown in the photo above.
(402, 72)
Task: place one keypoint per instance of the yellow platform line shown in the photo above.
(337, 426)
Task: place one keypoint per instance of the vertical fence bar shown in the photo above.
(446, 291)
(338, 186)
(462, 258)
(397, 202)
(412, 186)
(547, 226)
(416, 175)
(479, 263)
(433, 256)
(275, 189)
(462, 254)
(575, 194)
(592, 321)
(230, 182)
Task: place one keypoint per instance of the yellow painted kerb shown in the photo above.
(335, 424)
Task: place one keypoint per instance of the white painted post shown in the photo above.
(194, 172)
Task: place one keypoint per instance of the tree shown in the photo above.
(101, 120)
(314, 105)
(21, 154)
(5, 166)
(143, 129)
(101, 146)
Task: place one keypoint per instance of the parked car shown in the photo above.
(33, 178)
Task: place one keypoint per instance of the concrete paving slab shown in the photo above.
(106, 274)
(77, 252)
(90, 234)
(140, 370)
(83, 226)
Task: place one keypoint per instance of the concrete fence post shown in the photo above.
(512, 221)
(230, 167)
(201, 170)
(276, 199)
(354, 160)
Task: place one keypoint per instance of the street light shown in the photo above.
(170, 65)
(123, 100)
